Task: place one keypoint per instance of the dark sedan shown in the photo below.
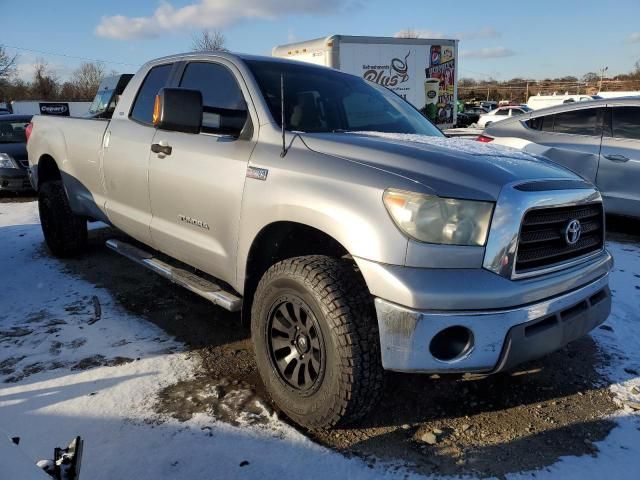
(14, 174)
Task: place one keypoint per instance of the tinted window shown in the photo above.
(504, 111)
(318, 99)
(534, 123)
(13, 131)
(546, 123)
(156, 79)
(516, 111)
(587, 121)
(224, 108)
(626, 122)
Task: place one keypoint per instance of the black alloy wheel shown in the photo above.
(296, 346)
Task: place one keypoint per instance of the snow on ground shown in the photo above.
(77, 364)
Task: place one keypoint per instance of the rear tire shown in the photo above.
(328, 370)
(64, 232)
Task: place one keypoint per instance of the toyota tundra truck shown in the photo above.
(353, 237)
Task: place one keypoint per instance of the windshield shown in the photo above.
(323, 100)
(101, 102)
(13, 131)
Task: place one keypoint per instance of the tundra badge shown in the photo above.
(257, 173)
(193, 221)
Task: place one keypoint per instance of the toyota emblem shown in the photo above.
(572, 232)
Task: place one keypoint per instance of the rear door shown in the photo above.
(196, 191)
(126, 159)
(619, 172)
(576, 134)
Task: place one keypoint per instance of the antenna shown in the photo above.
(282, 116)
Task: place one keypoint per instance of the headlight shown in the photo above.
(432, 219)
(6, 161)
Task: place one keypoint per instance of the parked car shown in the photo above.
(599, 140)
(477, 110)
(350, 233)
(500, 114)
(14, 164)
(489, 105)
(466, 119)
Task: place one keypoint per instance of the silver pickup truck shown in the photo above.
(352, 235)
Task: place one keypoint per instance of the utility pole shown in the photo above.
(602, 70)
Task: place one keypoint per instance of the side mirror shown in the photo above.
(178, 110)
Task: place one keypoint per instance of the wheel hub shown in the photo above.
(295, 343)
(302, 344)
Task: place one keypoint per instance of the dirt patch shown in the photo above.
(6, 197)
(228, 400)
(491, 426)
(100, 361)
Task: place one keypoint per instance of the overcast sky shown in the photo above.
(502, 39)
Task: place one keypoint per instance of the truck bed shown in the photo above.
(77, 143)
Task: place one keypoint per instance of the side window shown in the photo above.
(504, 111)
(626, 122)
(544, 123)
(156, 79)
(224, 107)
(587, 121)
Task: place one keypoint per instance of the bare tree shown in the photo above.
(7, 63)
(86, 79)
(209, 40)
(590, 77)
(408, 33)
(45, 83)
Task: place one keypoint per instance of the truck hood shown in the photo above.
(449, 167)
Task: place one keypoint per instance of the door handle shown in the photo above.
(617, 158)
(159, 148)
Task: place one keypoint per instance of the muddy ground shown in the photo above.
(491, 426)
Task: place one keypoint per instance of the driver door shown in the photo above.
(196, 190)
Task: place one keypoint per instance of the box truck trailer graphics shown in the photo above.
(440, 85)
(421, 71)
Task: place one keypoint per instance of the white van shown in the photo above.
(537, 102)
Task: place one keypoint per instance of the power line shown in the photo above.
(43, 52)
(477, 73)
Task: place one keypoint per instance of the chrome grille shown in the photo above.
(542, 241)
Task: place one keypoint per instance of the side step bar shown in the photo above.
(188, 280)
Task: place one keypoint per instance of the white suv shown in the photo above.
(501, 113)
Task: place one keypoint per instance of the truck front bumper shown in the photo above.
(488, 340)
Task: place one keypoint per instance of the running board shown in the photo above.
(188, 280)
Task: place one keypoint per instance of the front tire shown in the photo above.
(316, 341)
(64, 232)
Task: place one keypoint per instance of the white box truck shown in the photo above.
(422, 71)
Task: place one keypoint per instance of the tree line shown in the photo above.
(520, 89)
(45, 84)
(84, 81)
